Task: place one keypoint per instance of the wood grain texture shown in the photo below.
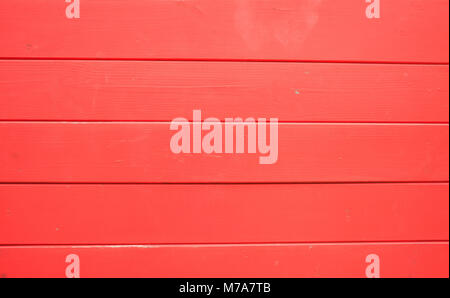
(326, 30)
(85, 160)
(244, 261)
(183, 214)
(131, 90)
(140, 152)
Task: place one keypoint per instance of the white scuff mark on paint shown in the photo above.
(289, 25)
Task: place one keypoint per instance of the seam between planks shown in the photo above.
(223, 122)
(226, 244)
(190, 121)
(225, 183)
(225, 60)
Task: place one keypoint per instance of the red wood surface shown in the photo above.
(133, 90)
(140, 152)
(85, 160)
(155, 214)
(293, 260)
(327, 30)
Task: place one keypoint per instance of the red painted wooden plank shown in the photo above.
(256, 261)
(407, 31)
(152, 214)
(127, 90)
(140, 152)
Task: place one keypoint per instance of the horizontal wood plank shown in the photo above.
(140, 152)
(294, 30)
(244, 261)
(130, 90)
(183, 214)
